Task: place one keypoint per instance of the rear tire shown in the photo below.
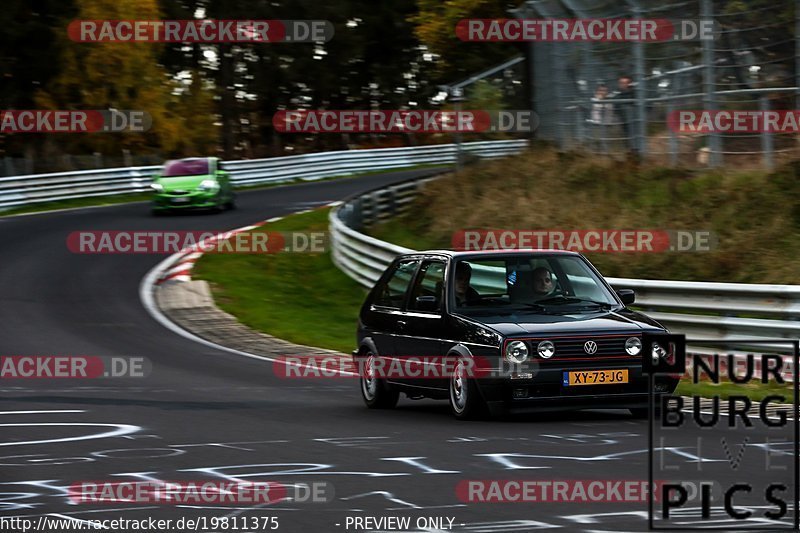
(377, 394)
(465, 400)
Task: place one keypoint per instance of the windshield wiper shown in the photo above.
(603, 305)
(565, 300)
(560, 299)
(539, 308)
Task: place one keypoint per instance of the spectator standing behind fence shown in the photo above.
(625, 111)
(600, 117)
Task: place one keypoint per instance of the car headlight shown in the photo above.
(546, 349)
(516, 351)
(658, 353)
(633, 346)
(157, 187)
(209, 185)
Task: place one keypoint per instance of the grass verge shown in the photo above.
(756, 391)
(300, 297)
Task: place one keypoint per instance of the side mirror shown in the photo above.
(427, 303)
(628, 296)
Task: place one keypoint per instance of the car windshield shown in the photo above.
(186, 167)
(529, 283)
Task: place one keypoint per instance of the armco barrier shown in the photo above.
(714, 311)
(18, 191)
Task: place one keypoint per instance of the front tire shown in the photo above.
(377, 394)
(231, 203)
(465, 400)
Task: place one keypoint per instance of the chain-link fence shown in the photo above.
(615, 97)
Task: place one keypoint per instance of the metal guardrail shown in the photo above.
(713, 311)
(39, 188)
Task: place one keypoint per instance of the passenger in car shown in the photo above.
(465, 294)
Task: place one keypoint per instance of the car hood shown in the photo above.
(526, 324)
(183, 182)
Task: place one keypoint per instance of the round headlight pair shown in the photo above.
(517, 351)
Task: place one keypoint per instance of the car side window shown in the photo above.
(392, 292)
(430, 282)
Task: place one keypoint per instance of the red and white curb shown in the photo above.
(178, 267)
(161, 272)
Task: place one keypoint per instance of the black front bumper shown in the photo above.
(545, 391)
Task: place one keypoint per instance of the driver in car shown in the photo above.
(542, 281)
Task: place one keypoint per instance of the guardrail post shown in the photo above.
(357, 222)
(392, 207)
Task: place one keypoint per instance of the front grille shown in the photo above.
(571, 348)
(178, 192)
(605, 346)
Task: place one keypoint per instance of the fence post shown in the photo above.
(767, 147)
(641, 91)
(797, 53)
(709, 90)
(673, 139)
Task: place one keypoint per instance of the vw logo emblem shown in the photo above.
(590, 347)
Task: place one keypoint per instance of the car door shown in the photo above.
(418, 344)
(386, 310)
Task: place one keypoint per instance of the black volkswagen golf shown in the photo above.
(499, 331)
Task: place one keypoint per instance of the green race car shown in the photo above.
(193, 183)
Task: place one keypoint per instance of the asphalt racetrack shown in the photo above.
(206, 414)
